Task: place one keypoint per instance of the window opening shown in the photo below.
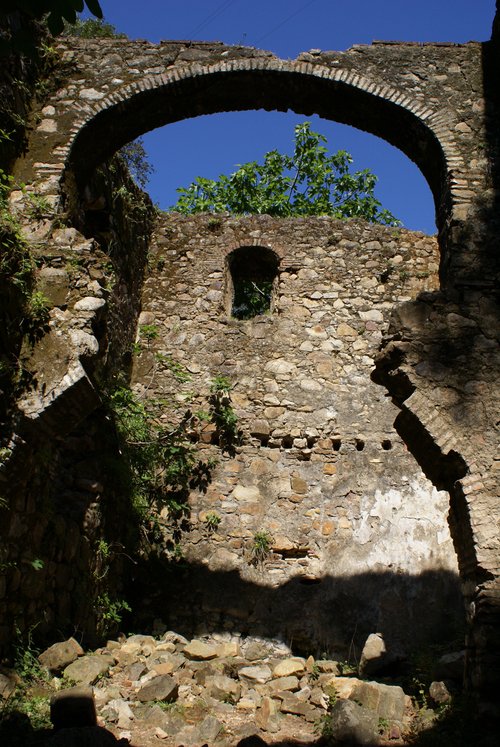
(253, 271)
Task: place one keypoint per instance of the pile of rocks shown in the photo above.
(217, 690)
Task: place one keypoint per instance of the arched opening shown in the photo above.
(251, 280)
(320, 91)
(306, 89)
(179, 155)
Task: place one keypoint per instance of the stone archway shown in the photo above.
(425, 99)
(141, 86)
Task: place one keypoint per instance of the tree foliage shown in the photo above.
(137, 161)
(92, 28)
(54, 13)
(310, 181)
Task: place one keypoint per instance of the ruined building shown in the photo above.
(366, 397)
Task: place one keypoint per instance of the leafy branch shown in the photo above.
(310, 181)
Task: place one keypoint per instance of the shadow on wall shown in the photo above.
(329, 615)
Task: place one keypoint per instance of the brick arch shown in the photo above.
(422, 133)
(278, 249)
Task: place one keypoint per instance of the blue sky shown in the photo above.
(210, 145)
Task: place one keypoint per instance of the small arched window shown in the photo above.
(253, 271)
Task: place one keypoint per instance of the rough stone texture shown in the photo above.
(198, 650)
(430, 100)
(373, 656)
(387, 701)
(439, 693)
(162, 687)
(60, 655)
(220, 709)
(8, 683)
(354, 724)
(440, 363)
(51, 472)
(360, 539)
(87, 669)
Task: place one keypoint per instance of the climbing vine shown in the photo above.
(24, 311)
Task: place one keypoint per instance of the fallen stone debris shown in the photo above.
(219, 690)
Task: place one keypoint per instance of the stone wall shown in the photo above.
(360, 538)
(439, 103)
(59, 498)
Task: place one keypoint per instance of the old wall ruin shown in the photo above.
(360, 537)
(439, 353)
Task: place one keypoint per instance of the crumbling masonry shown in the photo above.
(429, 343)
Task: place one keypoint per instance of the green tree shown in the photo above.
(19, 37)
(137, 161)
(310, 181)
(55, 12)
(92, 28)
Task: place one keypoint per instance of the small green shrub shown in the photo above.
(222, 413)
(149, 332)
(212, 521)
(383, 725)
(261, 547)
(109, 613)
(314, 673)
(37, 207)
(26, 661)
(323, 726)
(221, 383)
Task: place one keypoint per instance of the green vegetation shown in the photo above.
(92, 28)
(24, 311)
(177, 370)
(37, 206)
(323, 725)
(212, 521)
(137, 161)
(262, 544)
(108, 613)
(26, 661)
(28, 707)
(251, 298)
(136, 205)
(148, 332)
(308, 182)
(222, 414)
(55, 14)
(159, 465)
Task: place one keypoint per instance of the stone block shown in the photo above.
(255, 674)
(162, 688)
(290, 683)
(60, 655)
(374, 655)
(223, 688)
(387, 701)
(354, 724)
(200, 651)
(87, 669)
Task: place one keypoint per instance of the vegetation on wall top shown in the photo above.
(18, 36)
(310, 181)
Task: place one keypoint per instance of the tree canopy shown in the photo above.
(310, 181)
(56, 14)
(136, 159)
(92, 28)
